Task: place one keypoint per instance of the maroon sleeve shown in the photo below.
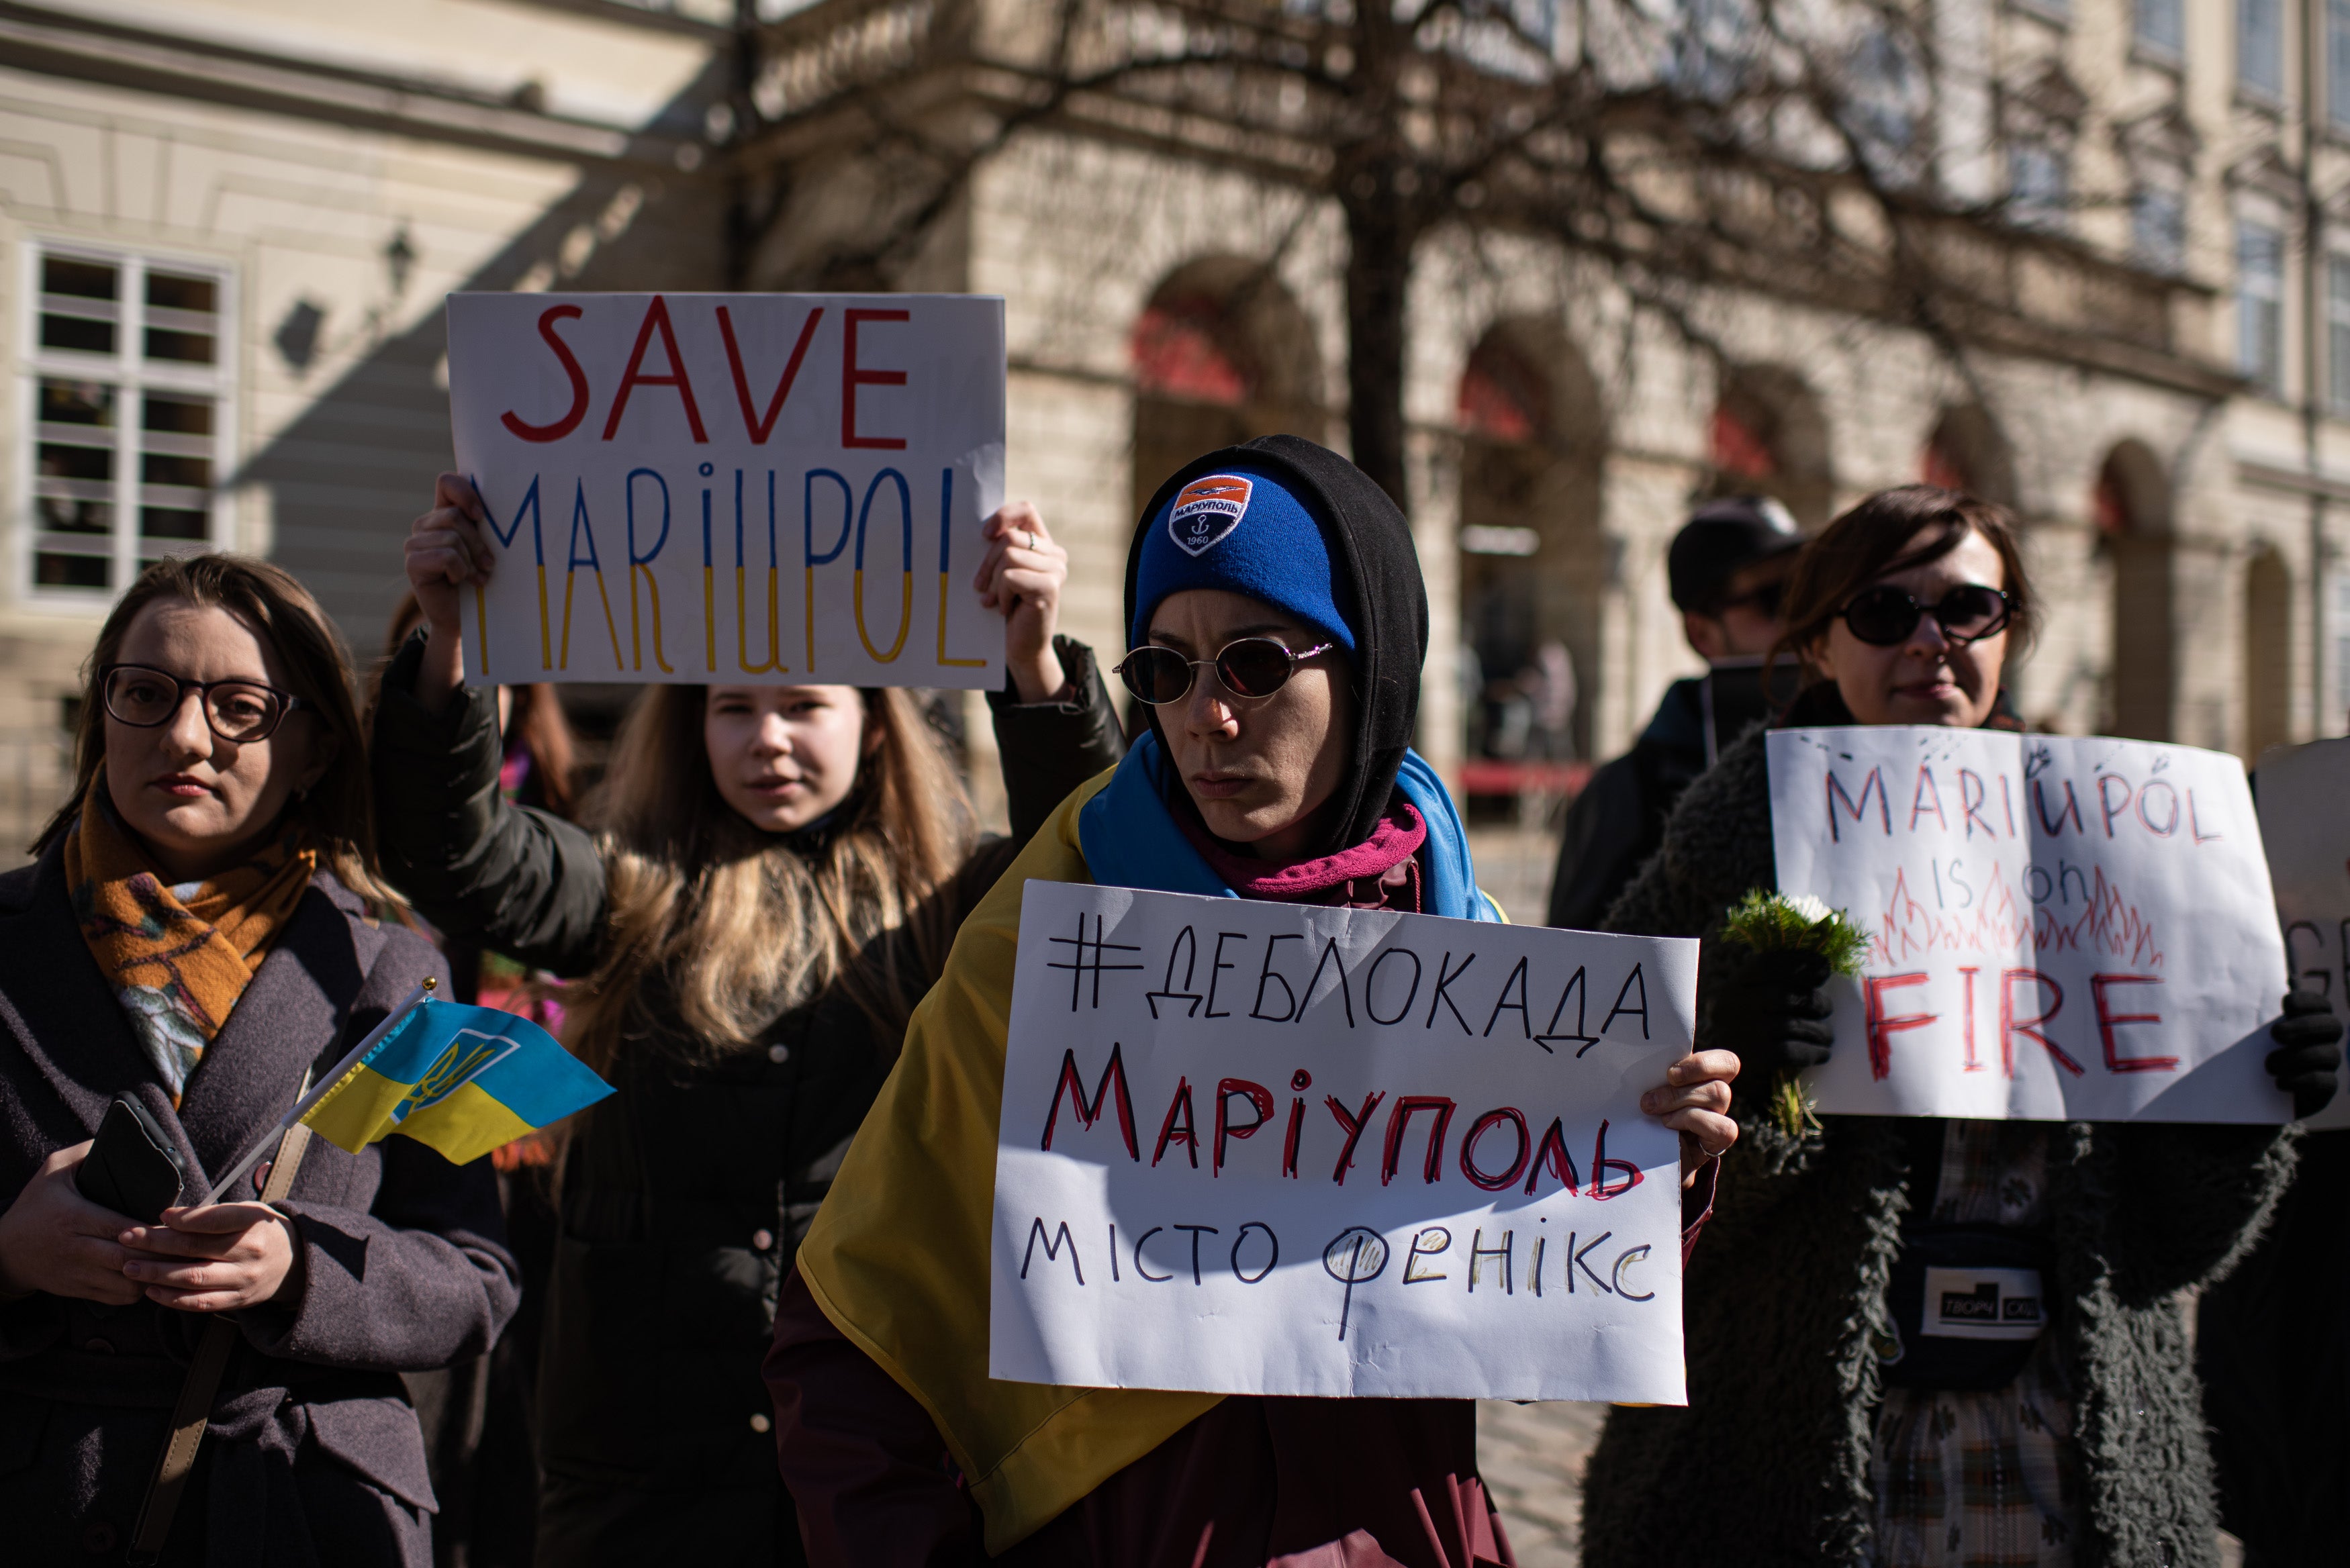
(1698, 1198)
(873, 1481)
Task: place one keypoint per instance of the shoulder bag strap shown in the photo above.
(194, 1411)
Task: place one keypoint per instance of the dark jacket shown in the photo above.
(1785, 1298)
(1617, 819)
(687, 1192)
(313, 1457)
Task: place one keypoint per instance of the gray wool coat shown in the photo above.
(313, 1456)
(1769, 1462)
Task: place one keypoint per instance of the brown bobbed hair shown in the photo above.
(339, 811)
(1878, 537)
(718, 925)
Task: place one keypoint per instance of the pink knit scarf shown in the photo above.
(1397, 838)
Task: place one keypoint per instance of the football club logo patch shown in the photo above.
(1207, 510)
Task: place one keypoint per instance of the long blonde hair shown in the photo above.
(720, 928)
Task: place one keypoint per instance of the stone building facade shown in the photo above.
(228, 225)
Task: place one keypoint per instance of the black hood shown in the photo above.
(1376, 572)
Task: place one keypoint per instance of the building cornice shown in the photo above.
(51, 42)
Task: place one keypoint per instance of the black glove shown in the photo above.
(2309, 1051)
(1770, 1010)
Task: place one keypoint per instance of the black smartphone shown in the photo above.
(134, 1167)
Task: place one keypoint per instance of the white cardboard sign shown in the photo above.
(747, 488)
(1262, 1148)
(2304, 799)
(2062, 929)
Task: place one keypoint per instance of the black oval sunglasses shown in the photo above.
(1886, 616)
(1251, 666)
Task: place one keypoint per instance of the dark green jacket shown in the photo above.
(662, 1295)
(1767, 1464)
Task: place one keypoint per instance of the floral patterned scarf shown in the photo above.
(177, 956)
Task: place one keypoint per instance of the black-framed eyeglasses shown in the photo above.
(1251, 666)
(239, 712)
(1886, 615)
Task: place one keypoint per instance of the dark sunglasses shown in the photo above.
(1886, 615)
(240, 711)
(1252, 667)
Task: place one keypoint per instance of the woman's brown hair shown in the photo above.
(718, 927)
(339, 809)
(1872, 541)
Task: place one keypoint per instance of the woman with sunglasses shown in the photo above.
(202, 930)
(1823, 1436)
(1278, 623)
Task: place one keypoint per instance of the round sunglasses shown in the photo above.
(1251, 666)
(1886, 616)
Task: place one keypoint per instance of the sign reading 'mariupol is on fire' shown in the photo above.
(2074, 928)
(1260, 1148)
(735, 488)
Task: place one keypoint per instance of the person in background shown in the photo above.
(773, 880)
(1833, 1430)
(1727, 569)
(1278, 654)
(203, 930)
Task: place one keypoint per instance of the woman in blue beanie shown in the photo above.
(1279, 622)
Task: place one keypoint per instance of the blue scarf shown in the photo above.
(1131, 840)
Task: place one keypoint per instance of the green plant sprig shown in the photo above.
(1781, 923)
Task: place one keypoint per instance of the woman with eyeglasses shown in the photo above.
(1821, 1436)
(768, 882)
(202, 933)
(1278, 623)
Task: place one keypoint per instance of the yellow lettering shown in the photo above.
(636, 647)
(943, 660)
(743, 628)
(905, 616)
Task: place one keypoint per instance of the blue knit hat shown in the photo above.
(1245, 531)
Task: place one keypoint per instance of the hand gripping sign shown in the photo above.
(2061, 928)
(2306, 822)
(765, 489)
(1260, 1148)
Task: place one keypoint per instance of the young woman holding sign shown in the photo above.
(1828, 1429)
(198, 933)
(1278, 622)
(777, 875)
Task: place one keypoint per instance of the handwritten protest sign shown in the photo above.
(740, 488)
(1261, 1148)
(2305, 798)
(2060, 929)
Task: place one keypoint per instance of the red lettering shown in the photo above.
(1352, 1126)
(1882, 1029)
(761, 428)
(1400, 1118)
(2010, 1026)
(1601, 1165)
(578, 409)
(1169, 1133)
(1967, 979)
(1228, 1090)
(1927, 796)
(656, 320)
(853, 376)
(1478, 1129)
(1112, 1077)
(1551, 1155)
(2107, 1021)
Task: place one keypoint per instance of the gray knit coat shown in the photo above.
(1769, 1462)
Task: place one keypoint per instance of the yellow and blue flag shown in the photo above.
(464, 1080)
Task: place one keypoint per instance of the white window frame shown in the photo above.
(2273, 298)
(132, 376)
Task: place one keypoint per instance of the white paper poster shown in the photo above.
(2061, 928)
(748, 488)
(2305, 800)
(1261, 1148)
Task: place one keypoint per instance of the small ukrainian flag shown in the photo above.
(464, 1080)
